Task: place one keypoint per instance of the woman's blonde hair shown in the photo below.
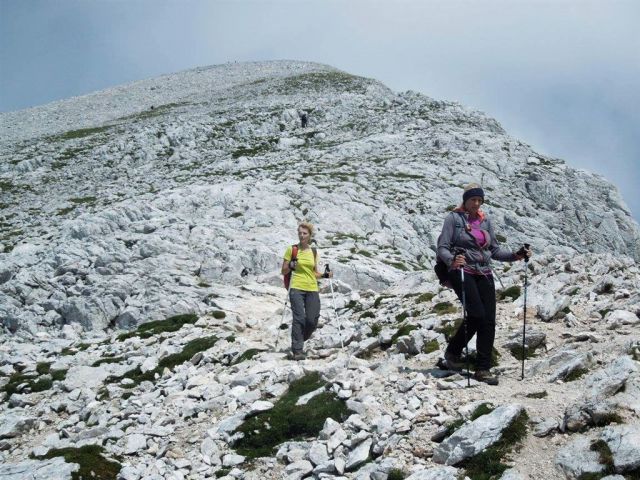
(307, 226)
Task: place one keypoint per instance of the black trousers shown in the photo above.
(480, 294)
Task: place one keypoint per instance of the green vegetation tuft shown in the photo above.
(354, 305)
(608, 419)
(516, 351)
(512, 292)
(83, 200)
(605, 459)
(376, 328)
(171, 324)
(81, 133)
(482, 409)
(63, 211)
(260, 149)
(93, 464)
(396, 474)
(379, 300)
(288, 421)
(425, 297)
(449, 328)
(604, 311)
(575, 374)
(247, 355)
(322, 81)
(218, 314)
(38, 381)
(443, 308)
(405, 329)
(189, 350)
(398, 265)
(97, 363)
(488, 465)
(431, 346)
(223, 472)
(43, 368)
(401, 317)
(368, 314)
(541, 394)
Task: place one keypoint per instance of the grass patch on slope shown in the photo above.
(93, 464)
(405, 329)
(443, 308)
(31, 382)
(288, 421)
(448, 329)
(246, 355)
(425, 297)
(171, 324)
(516, 351)
(512, 292)
(187, 353)
(80, 133)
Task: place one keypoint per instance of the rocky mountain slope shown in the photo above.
(138, 207)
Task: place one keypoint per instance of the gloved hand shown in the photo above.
(293, 264)
(524, 252)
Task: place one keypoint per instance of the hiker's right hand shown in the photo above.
(293, 264)
(458, 261)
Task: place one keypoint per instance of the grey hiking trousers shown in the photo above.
(305, 307)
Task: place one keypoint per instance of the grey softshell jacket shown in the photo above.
(474, 255)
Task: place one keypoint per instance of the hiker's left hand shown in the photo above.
(524, 253)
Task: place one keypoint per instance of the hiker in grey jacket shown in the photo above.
(469, 228)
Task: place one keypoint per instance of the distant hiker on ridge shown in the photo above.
(468, 232)
(303, 119)
(301, 262)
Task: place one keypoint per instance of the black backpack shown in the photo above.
(440, 267)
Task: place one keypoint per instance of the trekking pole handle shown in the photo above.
(327, 271)
(523, 251)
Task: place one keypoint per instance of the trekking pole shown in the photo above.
(327, 270)
(284, 311)
(460, 251)
(524, 317)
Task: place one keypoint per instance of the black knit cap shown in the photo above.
(473, 192)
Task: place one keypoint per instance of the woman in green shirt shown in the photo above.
(303, 289)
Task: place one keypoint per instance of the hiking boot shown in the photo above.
(452, 362)
(297, 356)
(485, 377)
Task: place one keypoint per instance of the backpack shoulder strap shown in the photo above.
(459, 226)
(315, 256)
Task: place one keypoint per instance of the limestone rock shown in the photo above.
(576, 458)
(53, 469)
(474, 437)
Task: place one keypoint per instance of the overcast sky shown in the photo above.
(561, 75)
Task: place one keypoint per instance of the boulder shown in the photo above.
(53, 469)
(474, 437)
(577, 459)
